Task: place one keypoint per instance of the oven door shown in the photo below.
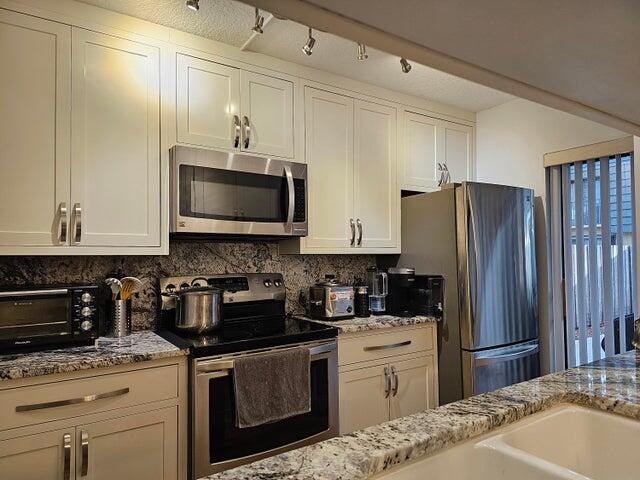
(34, 317)
(218, 444)
(225, 193)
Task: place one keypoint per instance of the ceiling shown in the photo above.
(582, 52)
(230, 22)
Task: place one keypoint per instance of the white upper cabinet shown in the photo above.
(208, 109)
(458, 151)
(376, 195)
(430, 143)
(35, 89)
(267, 114)
(420, 165)
(223, 107)
(115, 171)
(329, 157)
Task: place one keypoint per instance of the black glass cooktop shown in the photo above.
(241, 335)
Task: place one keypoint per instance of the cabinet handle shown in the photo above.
(72, 401)
(247, 131)
(66, 473)
(236, 128)
(62, 238)
(77, 222)
(84, 468)
(387, 382)
(395, 383)
(353, 232)
(387, 346)
(359, 232)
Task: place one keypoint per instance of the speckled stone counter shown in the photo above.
(612, 384)
(146, 346)
(374, 322)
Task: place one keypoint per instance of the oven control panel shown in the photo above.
(84, 304)
(246, 287)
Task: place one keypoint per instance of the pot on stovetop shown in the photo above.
(198, 309)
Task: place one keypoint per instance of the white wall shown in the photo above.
(511, 140)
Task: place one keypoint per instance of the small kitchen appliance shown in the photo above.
(378, 285)
(426, 296)
(330, 300)
(49, 316)
(400, 282)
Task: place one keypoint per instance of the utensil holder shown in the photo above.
(119, 324)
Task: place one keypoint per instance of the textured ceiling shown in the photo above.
(230, 22)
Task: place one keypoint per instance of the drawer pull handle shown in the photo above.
(72, 401)
(67, 456)
(385, 347)
(84, 466)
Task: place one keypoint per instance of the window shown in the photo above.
(596, 201)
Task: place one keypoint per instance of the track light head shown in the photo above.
(406, 66)
(193, 5)
(259, 22)
(308, 47)
(362, 52)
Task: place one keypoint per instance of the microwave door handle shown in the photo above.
(292, 197)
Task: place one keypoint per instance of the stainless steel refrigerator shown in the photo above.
(480, 237)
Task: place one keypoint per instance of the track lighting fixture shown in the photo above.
(406, 66)
(308, 47)
(193, 5)
(362, 51)
(259, 23)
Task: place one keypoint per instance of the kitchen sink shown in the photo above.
(566, 442)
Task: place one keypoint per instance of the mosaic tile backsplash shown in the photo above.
(185, 258)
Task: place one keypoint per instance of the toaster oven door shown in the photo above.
(28, 315)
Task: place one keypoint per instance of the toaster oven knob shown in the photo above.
(85, 312)
(86, 325)
(86, 297)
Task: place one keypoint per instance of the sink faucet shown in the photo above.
(636, 334)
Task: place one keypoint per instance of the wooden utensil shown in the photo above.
(130, 285)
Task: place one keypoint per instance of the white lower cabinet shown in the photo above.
(386, 375)
(133, 433)
(431, 145)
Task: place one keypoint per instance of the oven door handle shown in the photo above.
(292, 197)
(26, 293)
(221, 367)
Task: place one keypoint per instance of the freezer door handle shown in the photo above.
(525, 352)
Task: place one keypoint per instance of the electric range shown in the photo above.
(253, 323)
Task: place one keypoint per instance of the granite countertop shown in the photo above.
(611, 384)
(374, 322)
(145, 346)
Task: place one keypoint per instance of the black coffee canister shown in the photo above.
(361, 301)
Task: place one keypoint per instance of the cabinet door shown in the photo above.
(376, 193)
(267, 114)
(421, 153)
(458, 151)
(208, 103)
(115, 158)
(363, 401)
(329, 156)
(48, 455)
(135, 447)
(35, 90)
(415, 386)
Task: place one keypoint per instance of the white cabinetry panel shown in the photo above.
(115, 191)
(421, 156)
(35, 89)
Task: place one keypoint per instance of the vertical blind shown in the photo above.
(596, 201)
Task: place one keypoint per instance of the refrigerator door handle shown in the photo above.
(507, 356)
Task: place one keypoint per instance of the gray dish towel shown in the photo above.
(272, 386)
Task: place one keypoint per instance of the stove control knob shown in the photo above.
(86, 325)
(267, 283)
(86, 297)
(184, 286)
(277, 283)
(85, 312)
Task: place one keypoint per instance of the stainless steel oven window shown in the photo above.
(323, 356)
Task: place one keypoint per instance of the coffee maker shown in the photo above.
(401, 281)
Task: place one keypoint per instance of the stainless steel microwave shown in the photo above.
(214, 192)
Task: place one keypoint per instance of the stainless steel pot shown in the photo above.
(198, 310)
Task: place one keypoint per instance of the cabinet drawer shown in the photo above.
(383, 345)
(70, 398)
